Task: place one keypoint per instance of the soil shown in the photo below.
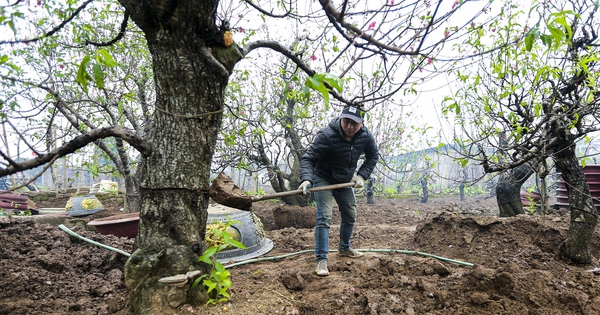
(417, 261)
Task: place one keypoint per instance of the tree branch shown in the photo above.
(116, 39)
(52, 31)
(77, 143)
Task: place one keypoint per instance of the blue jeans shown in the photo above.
(346, 201)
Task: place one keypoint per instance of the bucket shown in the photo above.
(83, 205)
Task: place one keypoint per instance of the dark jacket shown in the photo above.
(334, 158)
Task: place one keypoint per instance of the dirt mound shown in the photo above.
(44, 270)
(417, 261)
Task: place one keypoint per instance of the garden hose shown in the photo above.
(66, 229)
(374, 250)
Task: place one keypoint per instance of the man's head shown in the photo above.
(353, 113)
(351, 120)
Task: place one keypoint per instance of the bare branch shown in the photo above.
(79, 142)
(52, 31)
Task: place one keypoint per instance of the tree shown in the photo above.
(46, 88)
(543, 94)
(193, 56)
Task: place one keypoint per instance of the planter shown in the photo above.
(83, 205)
(249, 231)
(123, 225)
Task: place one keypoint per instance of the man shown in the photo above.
(332, 159)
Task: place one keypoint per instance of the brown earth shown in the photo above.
(43, 270)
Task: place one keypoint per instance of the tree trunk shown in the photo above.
(132, 195)
(190, 79)
(583, 212)
(508, 190)
(461, 186)
(425, 196)
(369, 192)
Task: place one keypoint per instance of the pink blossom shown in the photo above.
(240, 15)
(429, 61)
(371, 26)
(493, 30)
(455, 4)
(392, 2)
(352, 289)
(446, 33)
(241, 30)
(313, 57)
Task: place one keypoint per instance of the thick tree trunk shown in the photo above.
(583, 212)
(508, 190)
(190, 79)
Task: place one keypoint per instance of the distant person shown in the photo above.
(332, 159)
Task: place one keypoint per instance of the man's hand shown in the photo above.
(304, 187)
(359, 182)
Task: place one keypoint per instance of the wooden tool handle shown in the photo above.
(298, 192)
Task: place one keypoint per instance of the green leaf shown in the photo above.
(464, 162)
(98, 75)
(318, 85)
(82, 76)
(334, 81)
(207, 255)
(321, 81)
(105, 58)
(529, 39)
(237, 244)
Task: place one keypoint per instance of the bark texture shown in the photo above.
(583, 212)
(508, 190)
(190, 73)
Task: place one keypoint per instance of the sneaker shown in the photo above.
(350, 252)
(321, 269)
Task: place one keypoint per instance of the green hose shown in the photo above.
(410, 252)
(66, 229)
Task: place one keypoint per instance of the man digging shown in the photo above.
(331, 159)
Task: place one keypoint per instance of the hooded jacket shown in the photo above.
(335, 159)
